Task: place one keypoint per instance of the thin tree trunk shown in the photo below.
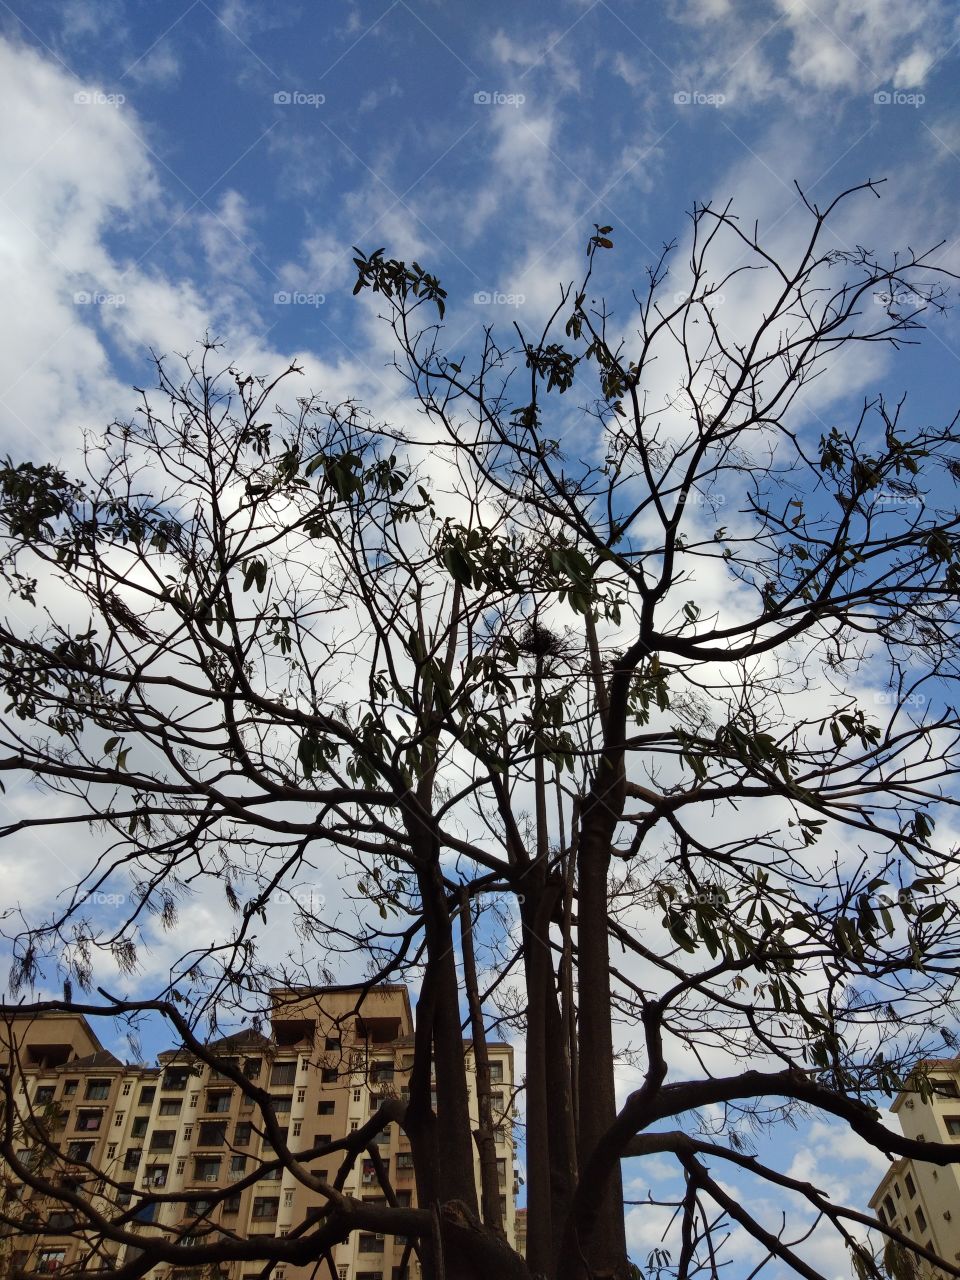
(483, 1134)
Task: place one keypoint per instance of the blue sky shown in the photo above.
(181, 167)
(486, 149)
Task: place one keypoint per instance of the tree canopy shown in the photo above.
(614, 682)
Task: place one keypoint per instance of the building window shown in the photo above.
(358, 1095)
(111, 1150)
(297, 1127)
(181, 1165)
(381, 1072)
(139, 1127)
(70, 1088)
(206, 1168)
(231, 1204)
(354, 1126)
(163, 1139)
(170, 1106)
(147, 1095)
(953, 1126)
(944, 1088)
(238, 1166)
(911, 1186)
(405, 1160)
(322, 1140)
(218, 1100)
(288, 1199)
(79, 1151)
(367, 1242)
(921, 1220)
(281, 1101)
(283, 1073)
(329, 1075)
(126, 1088)
(88, 1121)
(325, 1108)
(175, 1079)
(213, 1133)
(44, 1095)
(242, 1133)
(188, 1132)
(332, 1042)
(50, 1260)
(301, 1095)
(251, 1068)
(118, 1119)
(194, 1099)
(266, 1206)
(156, 1175)
(97, 1090)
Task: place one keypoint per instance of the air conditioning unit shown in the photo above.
(379, 1236)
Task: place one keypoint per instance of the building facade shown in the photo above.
(116, 1133)
(923, 1200)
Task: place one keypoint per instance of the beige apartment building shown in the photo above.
(923, 1200)
(328, 1058)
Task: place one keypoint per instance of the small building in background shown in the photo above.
(923, 1200)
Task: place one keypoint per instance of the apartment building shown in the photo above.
(923, 1200)
(327, 1058)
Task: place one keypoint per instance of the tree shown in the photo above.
(554, 714)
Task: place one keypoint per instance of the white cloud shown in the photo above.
(159, 66)
(794, 48)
